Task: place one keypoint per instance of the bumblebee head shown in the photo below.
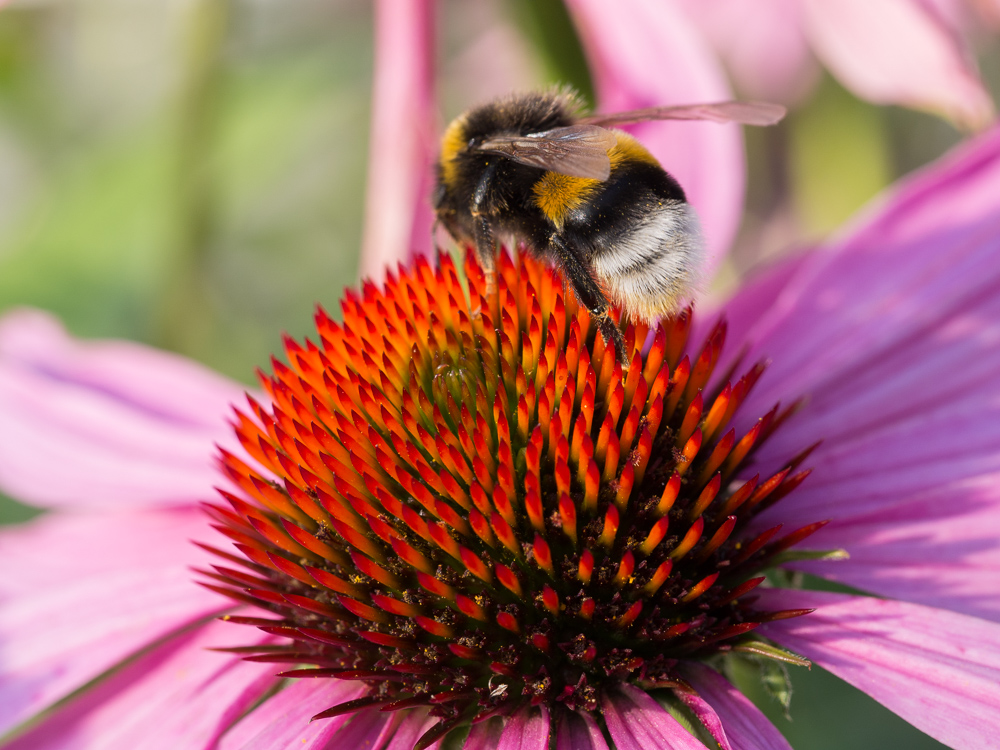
(517, 114)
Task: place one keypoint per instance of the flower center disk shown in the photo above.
(461, 499)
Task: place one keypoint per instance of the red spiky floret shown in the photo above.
(459, 487)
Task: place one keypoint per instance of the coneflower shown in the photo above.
(460, 508)
(461, 500)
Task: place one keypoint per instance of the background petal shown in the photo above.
(645, 53)
(898, 52)
(938, 670)
(106, 423)
(402, 146)
(89, 592)
(762, 43)
(178, 695)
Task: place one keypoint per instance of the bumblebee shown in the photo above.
(586, 197)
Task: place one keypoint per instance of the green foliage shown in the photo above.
(12, 511)
(840, 157)
(548, 25)
(245, 225)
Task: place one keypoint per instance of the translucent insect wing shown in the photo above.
(745, 113)
(579, 150)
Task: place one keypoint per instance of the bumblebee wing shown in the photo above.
(746, 113)
(575, 150)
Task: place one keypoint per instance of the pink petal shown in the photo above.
(528, 729)
(284, 720)
(397, 199)
(892, 334)
(911, 257)
(746, 727)
(484, 735)
(936, 669)
(104, 424)
(370, 728)
(704, 712)
(941, 551)
(179, 695)
(412, 729)
(762, 44)
(62, 624)
(646, 53)
(179, 389)
(637, 722)
(819, 290)
(579, 731)
(898, 52)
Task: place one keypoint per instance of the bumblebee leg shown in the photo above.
(486, 251)
(590, 295)
(482, 234)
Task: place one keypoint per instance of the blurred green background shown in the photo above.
(189, 173)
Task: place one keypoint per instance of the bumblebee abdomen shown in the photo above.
(638, 233)
(651, 266)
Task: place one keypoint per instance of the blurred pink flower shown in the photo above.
(628, 54)
(403, 139)
(892, 331)
(915, 53)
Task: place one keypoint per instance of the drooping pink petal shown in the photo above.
(484, 735)
(99, 545)
(62, 625)
(397, 203)
(938, 670)
(637, 722)
(369, 728)
(410, 729)
(746, 727)
(528, 729)
(579, 732)
(707, 715)
(850, 298)
(104, 424)
(891, 335)
(646, 53)
(178, 695)
(897, 52)
(907, 223)
(762, 43)
(159, 382)
(941, 551)
(282, 722)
